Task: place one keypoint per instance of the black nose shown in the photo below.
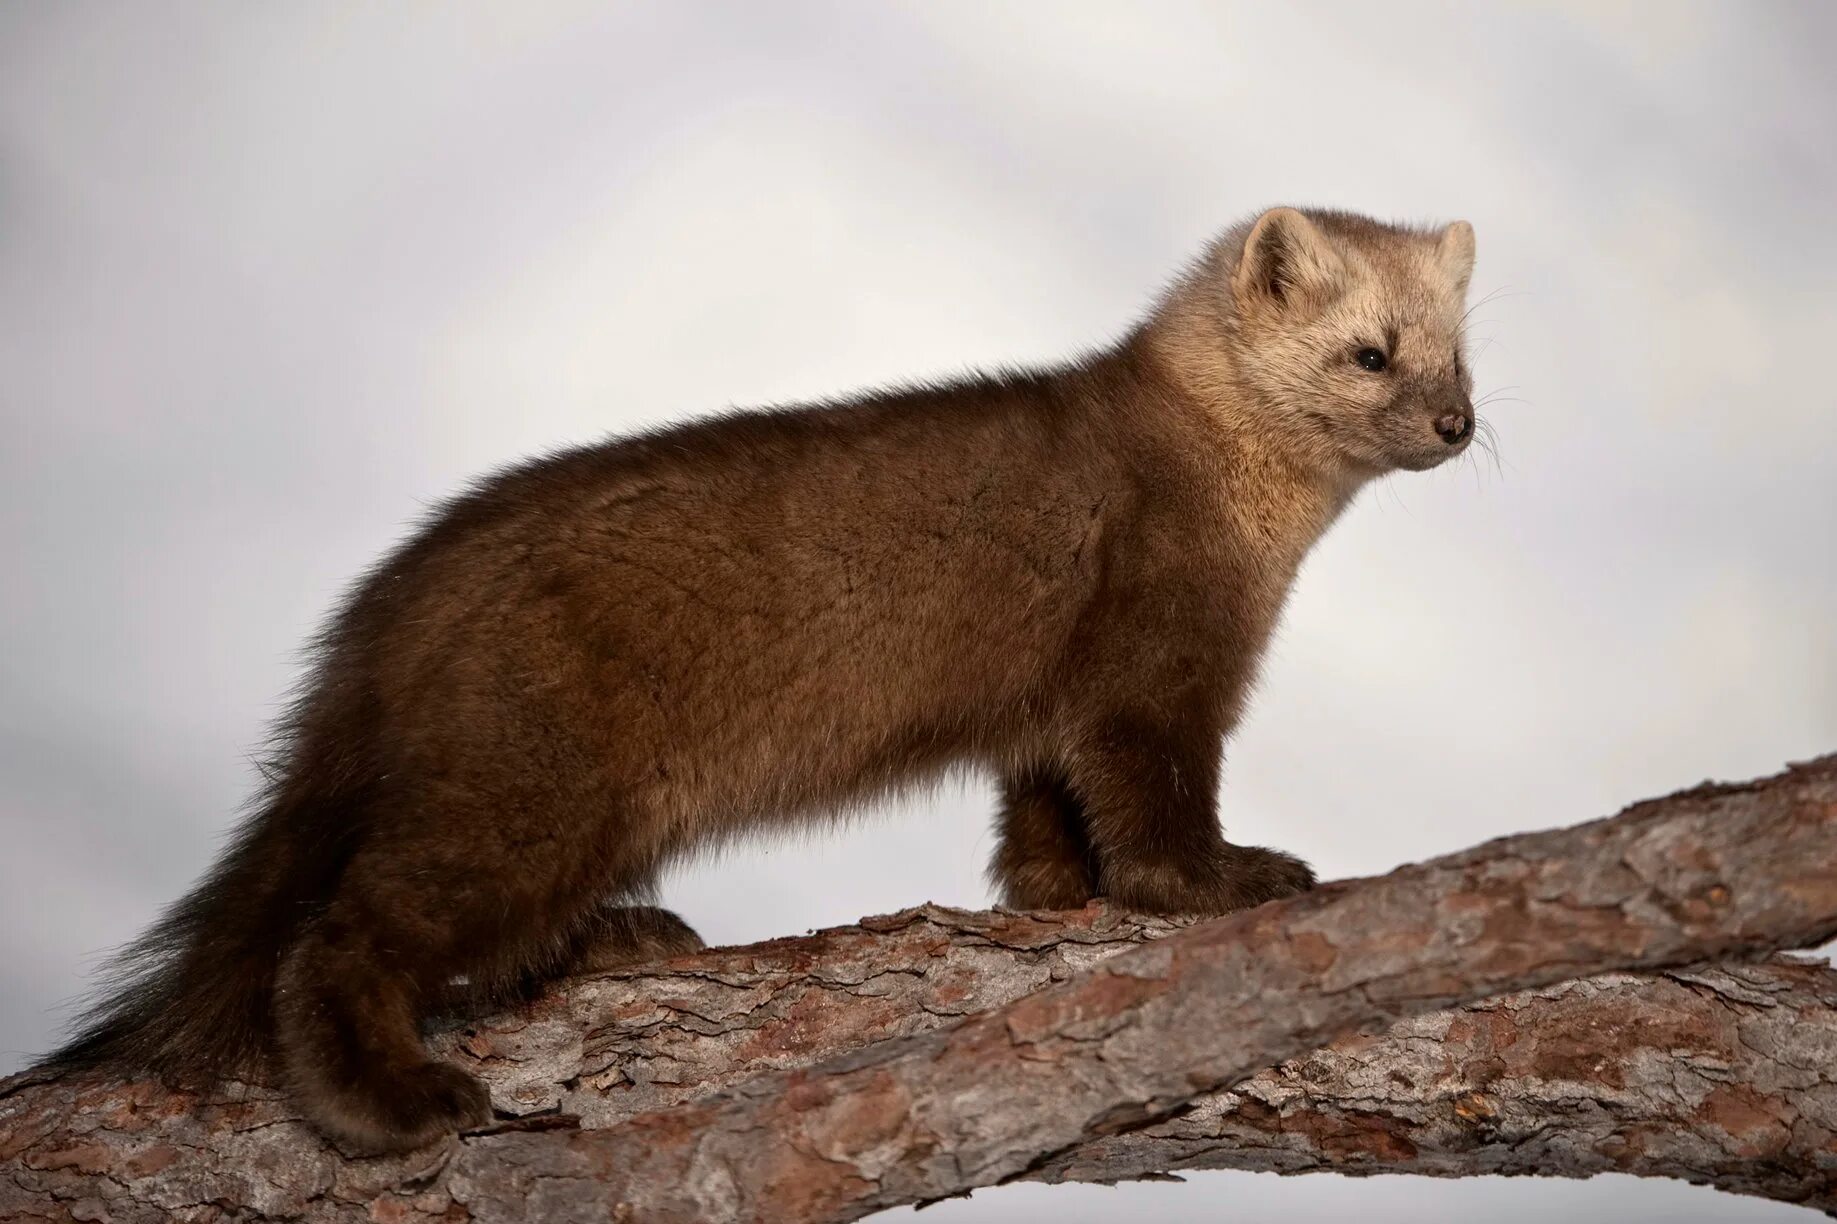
(1454, 426)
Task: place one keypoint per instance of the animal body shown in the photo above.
(597, 662)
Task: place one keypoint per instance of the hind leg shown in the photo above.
(347, 1026)
(411, 913)
(609, 937)
(615, 936)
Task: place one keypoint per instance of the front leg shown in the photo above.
(1149, 786)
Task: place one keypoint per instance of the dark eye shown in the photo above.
(1372, 359)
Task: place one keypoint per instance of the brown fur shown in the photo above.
(610, 658)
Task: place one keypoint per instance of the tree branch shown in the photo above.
(937, 1050)
(1722, 1075)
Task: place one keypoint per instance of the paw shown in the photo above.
(624, 935)
(438, 1098)
(1235, 878)
(1257, 874)
(408, 1110)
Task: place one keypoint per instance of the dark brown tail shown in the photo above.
(191, 998)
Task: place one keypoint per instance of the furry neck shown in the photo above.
(1280, 490)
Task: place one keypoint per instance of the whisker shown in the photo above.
(1504, 291)
(1487, 438)
(1498, 397)
(1483, 445)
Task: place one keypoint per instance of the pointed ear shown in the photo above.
(1287, 262)
(1455, 253)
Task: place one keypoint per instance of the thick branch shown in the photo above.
(1721, 1068)
(1723, 1075)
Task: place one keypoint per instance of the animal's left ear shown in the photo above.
(1455, 253)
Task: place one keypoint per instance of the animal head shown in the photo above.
(1345, 334)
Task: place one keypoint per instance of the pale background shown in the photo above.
(273, 278)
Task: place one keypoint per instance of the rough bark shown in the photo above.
(937, 1050)
(1724, 1075)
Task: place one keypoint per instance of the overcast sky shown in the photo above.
(273, 278)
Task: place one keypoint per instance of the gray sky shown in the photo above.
(272, 278)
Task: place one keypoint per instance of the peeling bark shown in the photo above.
(934, 1051)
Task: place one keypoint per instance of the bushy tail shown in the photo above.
(191, 998)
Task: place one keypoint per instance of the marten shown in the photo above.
(597, 662)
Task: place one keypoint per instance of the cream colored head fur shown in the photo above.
(1335, 337)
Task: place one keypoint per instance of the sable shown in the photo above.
(610, 658)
